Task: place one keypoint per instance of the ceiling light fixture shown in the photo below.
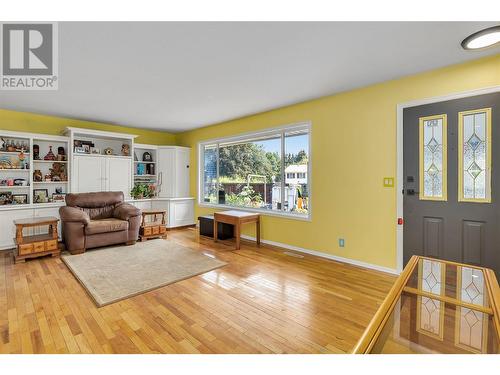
(482, 39)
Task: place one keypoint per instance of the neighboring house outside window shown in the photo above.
(296, 174)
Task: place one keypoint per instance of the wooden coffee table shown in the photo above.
(36, 245)
(237, 218)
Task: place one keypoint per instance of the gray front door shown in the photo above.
(451, 187)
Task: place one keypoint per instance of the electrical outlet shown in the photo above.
(341, 242)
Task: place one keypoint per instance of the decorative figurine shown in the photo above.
(125, 149)
(37, 175)
(147, 157)
(36, 152)
(58, 172)
(61, 154)
(22, 157)
(50, 155)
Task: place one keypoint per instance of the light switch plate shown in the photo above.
(388, 181)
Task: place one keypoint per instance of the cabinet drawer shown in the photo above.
(25, 249)
(163, 229)
(51, 245)
(155, 230)
(147, 231)
(38, 247)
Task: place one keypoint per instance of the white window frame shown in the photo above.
(281, 130)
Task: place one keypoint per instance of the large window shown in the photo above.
(267, 171)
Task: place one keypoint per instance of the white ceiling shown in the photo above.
(180, 76)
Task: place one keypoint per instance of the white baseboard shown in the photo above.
(327, 256)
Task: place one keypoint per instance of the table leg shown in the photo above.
(19, 234)
(215, 230)
(257, 223)
(237, 228)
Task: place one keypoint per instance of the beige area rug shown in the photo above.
(115, 273)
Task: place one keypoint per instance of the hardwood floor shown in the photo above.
(263, 301)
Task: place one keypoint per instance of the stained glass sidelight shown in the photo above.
(433, 157)
(475, 160)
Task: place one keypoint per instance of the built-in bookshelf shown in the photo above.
(33, 169)
(145, 165)
(50, 177)
(15, 169)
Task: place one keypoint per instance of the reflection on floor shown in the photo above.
(263, 301)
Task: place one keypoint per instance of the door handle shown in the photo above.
(411, 192)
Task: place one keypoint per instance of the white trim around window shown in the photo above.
(281, 130)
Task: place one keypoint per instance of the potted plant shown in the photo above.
(141, 191)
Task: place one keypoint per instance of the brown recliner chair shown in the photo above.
(98, 219)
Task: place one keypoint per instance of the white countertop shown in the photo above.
(159, 199)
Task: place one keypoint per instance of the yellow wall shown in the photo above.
(353, 148)
(34, 123)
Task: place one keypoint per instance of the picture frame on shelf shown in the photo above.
(80, 150)
(95, 151)
(20, 199)
(5, 198)
(40, 195)
(58, 197)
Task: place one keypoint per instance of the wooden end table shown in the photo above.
(36, 245)
(237, 218)
(154, 228)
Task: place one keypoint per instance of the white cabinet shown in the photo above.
(118, 175)
(142, 205)
(7, 217)
(173, 169)
(8, 232)
(44, 212)
(88, 174)
(180, 211)
(101, 173)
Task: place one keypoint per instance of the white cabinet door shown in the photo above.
(166, 172)
(119, 175)
(142, 205)
(181, 213)
(88, 174)
(8, 232)
(160, 205)
(182, 172)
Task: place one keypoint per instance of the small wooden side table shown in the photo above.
(237, 218)
(154, 228)
(36, 245)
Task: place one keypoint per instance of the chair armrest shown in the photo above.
(72, 214)
(125, 211)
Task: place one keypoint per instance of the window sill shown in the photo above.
(260, 211)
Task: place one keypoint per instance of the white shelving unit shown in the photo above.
(28, 140)
(45, 144)
(92, 172)
(146, 166)
(13, 170)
